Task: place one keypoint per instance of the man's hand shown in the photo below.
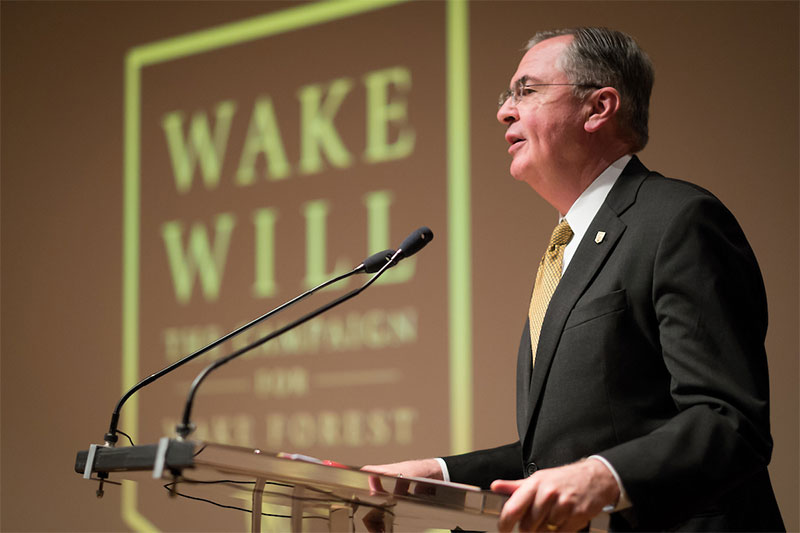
(557, 499)
(428, 468)
(420, 468)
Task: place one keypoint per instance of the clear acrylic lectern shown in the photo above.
(312, 497)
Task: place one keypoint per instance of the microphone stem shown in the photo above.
(185, 427)
(111, 437)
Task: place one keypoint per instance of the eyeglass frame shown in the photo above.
(516, 93)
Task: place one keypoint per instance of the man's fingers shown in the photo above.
(518, 504)
(419, 468)
(509, 514)
(575, 524)
(505, 486)
(557, 518)
(375, 485)
(541, 508)
(526, 522)
(378, 469)
(564, 514)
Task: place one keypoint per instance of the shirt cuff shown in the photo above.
(445, 471)
(624, 502)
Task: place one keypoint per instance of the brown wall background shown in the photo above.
(724, 115)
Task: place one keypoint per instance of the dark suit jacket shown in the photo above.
(652, 355)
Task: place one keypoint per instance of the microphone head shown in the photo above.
(376, 261)
(416, 241)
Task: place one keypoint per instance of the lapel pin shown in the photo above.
(599, 237)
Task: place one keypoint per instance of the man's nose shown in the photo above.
(507, 114)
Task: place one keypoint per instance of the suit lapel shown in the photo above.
(587, 261)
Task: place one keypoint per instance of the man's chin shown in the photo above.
(517, 170)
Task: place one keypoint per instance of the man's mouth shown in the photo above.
(514, 142)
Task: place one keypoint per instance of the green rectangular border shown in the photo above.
(458, 204)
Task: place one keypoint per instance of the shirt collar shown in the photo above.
(582, 212)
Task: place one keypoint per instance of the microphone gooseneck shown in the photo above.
(411, 245)
(371, 264)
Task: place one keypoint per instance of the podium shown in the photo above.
(308, 496)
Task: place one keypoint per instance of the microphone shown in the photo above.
(370, 265)
(415, 242)
(411, 245)
(374, 262)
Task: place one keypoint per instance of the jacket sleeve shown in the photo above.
(484, 466)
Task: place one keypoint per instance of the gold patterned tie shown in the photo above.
(547, 279)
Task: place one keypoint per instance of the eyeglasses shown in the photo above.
(523, 89)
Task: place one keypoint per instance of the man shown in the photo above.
(644, 390)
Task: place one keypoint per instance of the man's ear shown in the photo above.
(603, 106)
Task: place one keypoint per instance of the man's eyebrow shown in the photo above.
(522, 80)
(525, 79)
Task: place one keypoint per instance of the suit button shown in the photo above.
(531, 468)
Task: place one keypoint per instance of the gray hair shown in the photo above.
(609, 58)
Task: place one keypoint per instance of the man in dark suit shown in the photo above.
(644, 391)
